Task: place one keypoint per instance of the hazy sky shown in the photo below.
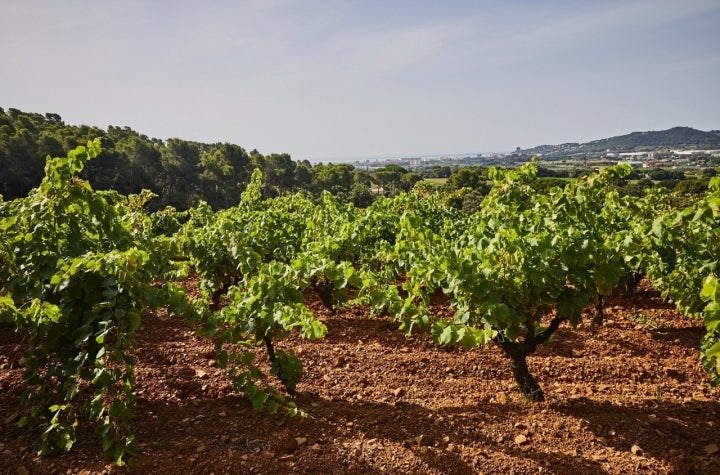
(335, 78)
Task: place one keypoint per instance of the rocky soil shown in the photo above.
(628, 397)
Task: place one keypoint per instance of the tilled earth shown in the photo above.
(627, 397)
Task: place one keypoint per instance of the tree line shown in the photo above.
(180, 172)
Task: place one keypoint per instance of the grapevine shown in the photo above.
(77, 270)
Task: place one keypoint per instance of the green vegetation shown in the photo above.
(181, 173)
(516, 254)
(77, 269)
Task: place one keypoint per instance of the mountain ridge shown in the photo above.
(678, 137)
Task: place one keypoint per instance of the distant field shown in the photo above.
(436, 181)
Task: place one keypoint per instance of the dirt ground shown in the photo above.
(629, 397)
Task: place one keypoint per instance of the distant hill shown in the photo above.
(685, 138)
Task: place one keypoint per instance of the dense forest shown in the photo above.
(180, 172)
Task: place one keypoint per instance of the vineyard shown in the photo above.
(573, 329)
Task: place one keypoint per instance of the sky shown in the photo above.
(326, 80)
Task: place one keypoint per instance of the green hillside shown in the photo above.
(685, 138)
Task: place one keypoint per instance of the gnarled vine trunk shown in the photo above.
(324, 290)
(518, 352)
(526, 382)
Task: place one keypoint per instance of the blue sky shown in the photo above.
(323, 79)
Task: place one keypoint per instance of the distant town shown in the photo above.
(679, 147)
(654, 159)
